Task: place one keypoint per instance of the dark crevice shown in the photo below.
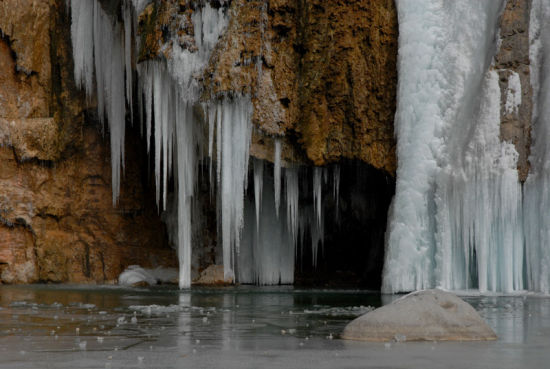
(352, 254)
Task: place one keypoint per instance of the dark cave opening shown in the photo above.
(352, 254)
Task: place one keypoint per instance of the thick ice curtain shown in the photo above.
(456, 219)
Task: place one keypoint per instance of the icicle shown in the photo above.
(82, 14)
(116, 113)
(236, 130)
(211, 120)
(317, 192)
(258, 186)
(146, 77)
(277, 174)
(292, 202)
(158, 96)
(128, 21)
(336, 187)
(98, 46)
(267, 250)
(317, 228)
(186, 166)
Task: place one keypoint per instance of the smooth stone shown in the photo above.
(428, 315)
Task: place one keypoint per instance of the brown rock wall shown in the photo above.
(513, 57)
(57, 221)
(321, 73)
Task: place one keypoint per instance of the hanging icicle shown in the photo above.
(277, 174)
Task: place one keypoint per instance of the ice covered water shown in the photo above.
(224, 328)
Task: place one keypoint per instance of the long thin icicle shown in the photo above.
(235, 133)
(258, 187)
(277, 174)
(292, 202)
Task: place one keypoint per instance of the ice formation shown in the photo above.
(536, 188)
(267, 251)
(277, 174)
(456, 219)
(513, 94)
(234, 131)
(99, 51)
(258, 187)
(270, 239)
(168, 92)
(317, 228)
(292, 186)
(258, 240)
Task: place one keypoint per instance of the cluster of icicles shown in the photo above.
(259, 241)
(460, 217)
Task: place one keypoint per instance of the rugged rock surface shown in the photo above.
(513, 58)
(57, 220)
(429, 315)
(322, 74)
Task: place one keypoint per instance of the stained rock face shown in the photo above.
(57, 221)
(512, 65)
(322, 74)
(429, 315)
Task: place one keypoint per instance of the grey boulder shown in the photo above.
(428, 315)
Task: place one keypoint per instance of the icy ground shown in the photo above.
(243, 327)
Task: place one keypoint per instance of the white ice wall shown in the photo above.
(456, 219)
(537, 186)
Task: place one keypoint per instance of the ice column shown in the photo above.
(456, 216)
(234, 132)
(99, 47)
(277, 174)
(103, 48)
(292, 186)
(537, 185)
(258, 187)
(267, 249)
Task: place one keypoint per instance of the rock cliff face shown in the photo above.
(57, 220)
(322, 74)
(512, 63)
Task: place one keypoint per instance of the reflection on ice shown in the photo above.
(241, 327)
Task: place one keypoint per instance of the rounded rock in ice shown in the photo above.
(428, 315)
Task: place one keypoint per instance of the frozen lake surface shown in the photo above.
(243, 327)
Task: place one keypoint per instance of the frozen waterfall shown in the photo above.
(536, 189)
(456, 219)
(259, 241)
